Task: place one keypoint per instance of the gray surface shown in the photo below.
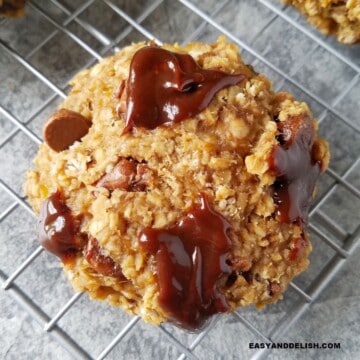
(333, 316)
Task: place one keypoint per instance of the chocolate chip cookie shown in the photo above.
(175, 183)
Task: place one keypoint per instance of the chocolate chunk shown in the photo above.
(165, 87)
(63, 128)
(191, 260)
(103, 264)
(58, 230)
(127, 175)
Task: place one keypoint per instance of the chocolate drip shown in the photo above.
(58, 229)
(191, 260)
(295, 168)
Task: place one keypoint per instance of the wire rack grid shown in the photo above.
(39, 54)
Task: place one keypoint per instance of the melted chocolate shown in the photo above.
(190, 260)
(57, 228)
(295, 169)
(165, 87)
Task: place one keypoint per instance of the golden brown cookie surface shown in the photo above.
(211, 199)
(333, 17)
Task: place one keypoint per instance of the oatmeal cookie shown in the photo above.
(175, 183)
(336, 17)
(12, 8)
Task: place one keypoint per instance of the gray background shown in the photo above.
(325, 300)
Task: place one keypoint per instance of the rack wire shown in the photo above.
(86, 32)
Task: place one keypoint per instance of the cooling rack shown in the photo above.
(40, 52)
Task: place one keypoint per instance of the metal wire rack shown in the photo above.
(38, 55)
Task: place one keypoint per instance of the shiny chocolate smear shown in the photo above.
(295, 168)
(166, 87)
(191, 260)
(57, 228)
